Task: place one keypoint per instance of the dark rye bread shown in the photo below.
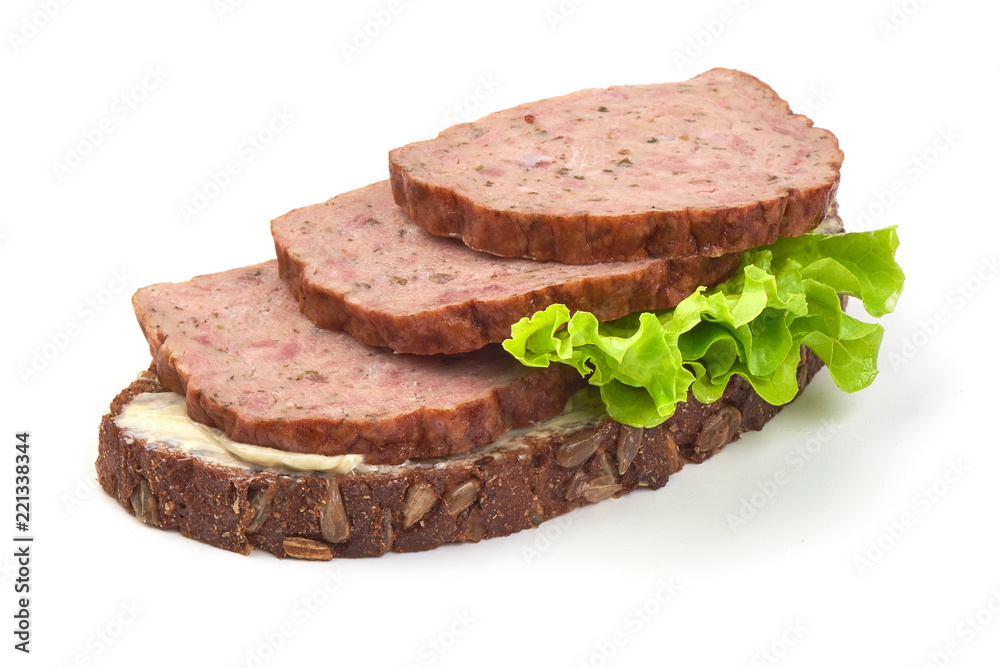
(249, 363)
(708, 166)
(358, 263)
(482, 494)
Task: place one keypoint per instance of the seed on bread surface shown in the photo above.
(718, 429)
(579, 447)
(260, 504)
(306, 548)
(629, 441)
(461, 497)
(420, 498)
(333, 521)
(144, 502)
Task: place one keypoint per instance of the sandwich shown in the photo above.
(546, 308)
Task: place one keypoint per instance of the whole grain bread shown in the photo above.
(708, 166)
(494, 491)
(235, 344)
(357, 263)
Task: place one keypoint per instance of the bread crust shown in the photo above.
(238, 510)
(793, 205)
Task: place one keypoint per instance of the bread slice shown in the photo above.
(524, 479)
(708, 166)
(358, 263)
(235, 344)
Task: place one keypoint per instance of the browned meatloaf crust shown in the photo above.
(411, 508)
(708, 166)
(236, 345)
(358, 263)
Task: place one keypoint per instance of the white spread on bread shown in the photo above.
(160, 419)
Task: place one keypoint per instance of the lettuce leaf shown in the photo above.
(783, 296)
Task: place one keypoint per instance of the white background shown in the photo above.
(565, 593)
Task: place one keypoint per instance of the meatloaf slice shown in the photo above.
(251, 364)
(708, 166)
(359, 264)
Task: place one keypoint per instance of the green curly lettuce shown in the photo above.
(781, 297)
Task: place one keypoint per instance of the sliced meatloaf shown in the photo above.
(251, 364)
(708, 166)
(359, 264)
(527, 477)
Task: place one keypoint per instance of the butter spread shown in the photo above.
(161, 417)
